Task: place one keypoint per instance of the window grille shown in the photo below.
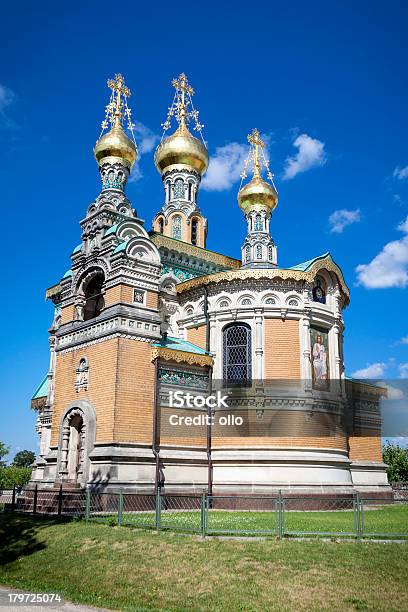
(176, 227)
(237, 366)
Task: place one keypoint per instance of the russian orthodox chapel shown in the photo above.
(141, 314)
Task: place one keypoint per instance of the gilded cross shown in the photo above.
(254, 139)
(118, 87)
(182, 87)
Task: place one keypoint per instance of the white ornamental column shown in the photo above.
(337, 359)
(306, 349)
(259, 369)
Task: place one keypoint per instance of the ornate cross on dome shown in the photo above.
(256, 156)
(117, 109)
(182, 106)
(254, 139)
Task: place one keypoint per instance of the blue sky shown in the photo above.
(324, 81)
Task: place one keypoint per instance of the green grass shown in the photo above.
(391, 520)
(129, 569)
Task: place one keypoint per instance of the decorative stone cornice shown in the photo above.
(270, 274)
(181, 356)
(188, 249)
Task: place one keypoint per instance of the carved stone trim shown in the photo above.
(181, 356)
(274, 273)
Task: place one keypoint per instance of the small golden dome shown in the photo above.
(257, 195)
(116, 144)
(181, 149)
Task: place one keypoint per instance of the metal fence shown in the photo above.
(279, 515)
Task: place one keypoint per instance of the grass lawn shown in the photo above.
(128, 569)
(383, 520)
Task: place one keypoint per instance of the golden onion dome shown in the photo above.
(181, 149)
(257, 195)
(116, 144)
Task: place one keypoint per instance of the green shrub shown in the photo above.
(10, 476)
(396, 457)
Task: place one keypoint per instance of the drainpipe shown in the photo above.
(209, 438)
(209, 413)
(155, 434)
(207, 320)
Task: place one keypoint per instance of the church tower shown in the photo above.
(182, 159)
(257, 200)
(104, 379)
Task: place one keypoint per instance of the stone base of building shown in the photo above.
(235, 471)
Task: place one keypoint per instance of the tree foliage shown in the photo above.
(24, 458)
(4, 451)
(396, 457)
(11, 475)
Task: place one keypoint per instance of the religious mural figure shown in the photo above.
(320, 359)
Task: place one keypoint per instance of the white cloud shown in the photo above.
(403, 370)
(390, 267)
(404, 340)
(7, 97)
(393, 393)
(400, 173)
(225, 167)
(374, 370)
(310, 153)
(146, 140)
(340, 219)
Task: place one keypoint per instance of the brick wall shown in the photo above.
(196, 335)
(282, 349)
(363, 448)
(121, 389)
(101, 392)
(134, 392)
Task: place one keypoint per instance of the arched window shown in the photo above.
(161, 225)
(168, 188)
(190, 191)
(176, 227)
(94, 301)
(179, 191)
(247, 253)
(237, 366)
(258, 223)
(259, 251)
(270, 253)
(194, 231)
(319, 291)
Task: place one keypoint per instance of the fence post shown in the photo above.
(361, 518)
(60, 501)
(35, 499)
(203, 513)
(120, 507)
(280, 514)
(87, 504)
(13, 499)
(158, 508)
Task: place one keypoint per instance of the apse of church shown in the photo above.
(141, 314)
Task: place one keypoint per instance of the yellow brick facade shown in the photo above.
(121, 389)
(196, 335)
(365, 448)
(282, 349)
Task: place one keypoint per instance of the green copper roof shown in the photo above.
(306, 264)
(121, 246)
(176, 344)
(77, 248)
(112, 230)
(67, 274)
(42, 390)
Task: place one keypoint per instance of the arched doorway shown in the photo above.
(73, 446)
